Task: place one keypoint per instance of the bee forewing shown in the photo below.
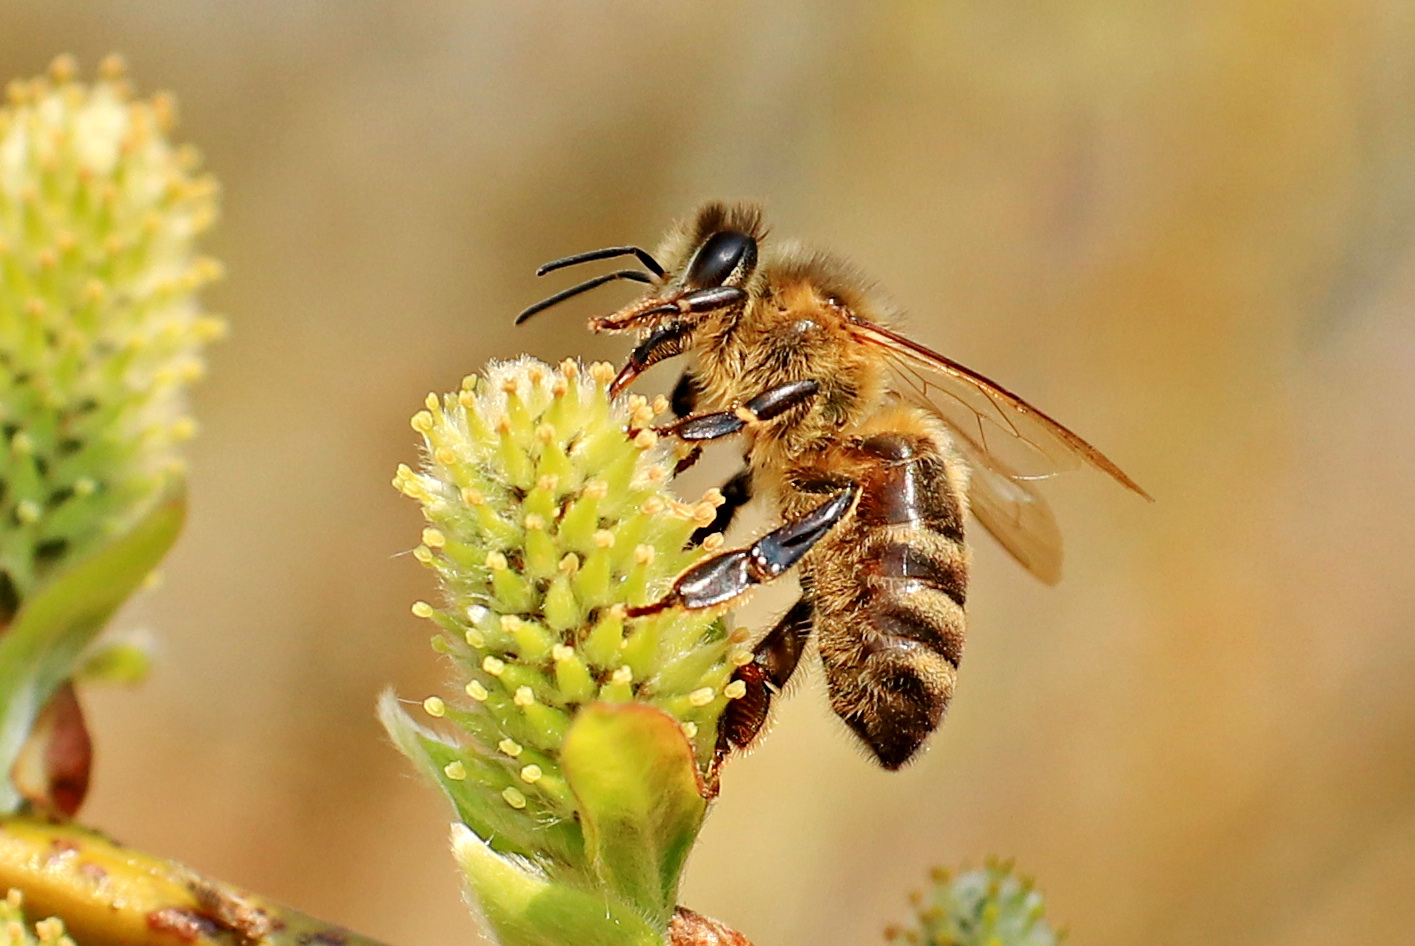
(996, 421)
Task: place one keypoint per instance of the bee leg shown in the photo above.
(720, 578)
(768, 405)
(736, 493)
(774, 659)
(686, 392)
(662, 343)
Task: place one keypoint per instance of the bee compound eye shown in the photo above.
(719, 256)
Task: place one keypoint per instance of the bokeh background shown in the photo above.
(1183, 227)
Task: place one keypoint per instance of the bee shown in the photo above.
(872, 448)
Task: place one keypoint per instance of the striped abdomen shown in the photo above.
(888, 585)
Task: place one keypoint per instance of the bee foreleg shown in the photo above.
(720, 578)
(774, 659)
(766, 406)
(662, 343)
(736, 493)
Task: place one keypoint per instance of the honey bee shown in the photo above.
(872, 448)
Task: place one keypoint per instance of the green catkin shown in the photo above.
(101, 330)
(543, 520)
(991, 906)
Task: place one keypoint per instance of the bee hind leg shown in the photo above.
(719, 578)
(774, 660)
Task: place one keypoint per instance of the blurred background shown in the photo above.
(1183, 228)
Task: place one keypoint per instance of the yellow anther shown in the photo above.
(433, 538)
(741, 658)
(476, 691)
(545, 433)
(735, 690)
(469, 383)
(690, 729)
(27, 511)
(653, 506)
(570, 564)
(561, 652)
(421, 609)
(531, 774)
(525, 696)
(534, 523)
(602, 372)
(513, 798)
(604, 539)
(445, 455)
(456, 771)
(548, 483)
(536, 373)
(493, 665)
(596, 489)
(467, 399)
(496, 561)
(422, 422)
(472, 497)
(623, 675)
(570, 368)
(739, 635)
(510, 747)
(434, 707)
(424, 555)
(510, 623)
(660, 405)
(559, 387)
(644, 554)
(645, 439)
(714, 542)
(701, 696)
(474, 638)
(431, 402)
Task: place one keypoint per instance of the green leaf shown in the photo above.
(43, 645)
(476, 796)
(525, 908)
(641, 805)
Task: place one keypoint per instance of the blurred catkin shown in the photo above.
(544, 522)
(101, 330)
(991, 906)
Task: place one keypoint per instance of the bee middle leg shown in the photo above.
(719, 578)
(769, 405)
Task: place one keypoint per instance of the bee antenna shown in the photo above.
(585, 286)
(610, 252)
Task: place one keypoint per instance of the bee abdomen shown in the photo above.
(891, 633)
